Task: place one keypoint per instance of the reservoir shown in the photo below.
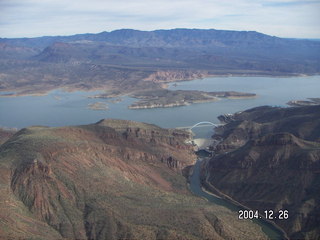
(60, 108)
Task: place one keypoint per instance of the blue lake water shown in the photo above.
(60, 108)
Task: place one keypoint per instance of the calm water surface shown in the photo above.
(60, 108)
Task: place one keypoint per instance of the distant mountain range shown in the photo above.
(124, 58)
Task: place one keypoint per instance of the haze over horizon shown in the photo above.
(282, 18)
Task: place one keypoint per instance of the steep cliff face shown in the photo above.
(111, 180)
(270, 160)
(302, 122)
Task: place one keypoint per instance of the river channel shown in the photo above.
(195, 186)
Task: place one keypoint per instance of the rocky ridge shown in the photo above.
(269, 159)
(114, 179)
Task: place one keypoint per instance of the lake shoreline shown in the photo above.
(164, 85)
(174, 98)
(62, 107)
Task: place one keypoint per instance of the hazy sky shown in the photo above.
(284, 18)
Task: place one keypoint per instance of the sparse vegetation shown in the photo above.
(106, 180)
(270, 160)
(168, 98)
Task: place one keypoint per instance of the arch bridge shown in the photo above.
(205, 123)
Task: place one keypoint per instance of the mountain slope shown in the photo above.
(5, 134)
(270, 160)
(253, 123)
(114, 179)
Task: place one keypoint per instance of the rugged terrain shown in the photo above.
(269, 158)
(114, 179)
(129, 60)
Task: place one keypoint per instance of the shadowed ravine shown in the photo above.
(195, 186)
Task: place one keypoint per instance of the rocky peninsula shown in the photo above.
(166, 98)
(300, 103)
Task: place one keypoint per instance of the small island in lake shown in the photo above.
(115, 100)
(98, 106)
(166, 98)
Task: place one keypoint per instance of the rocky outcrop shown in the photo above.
(171, 162)
(176, 75)
(226, 118)
(270, 160)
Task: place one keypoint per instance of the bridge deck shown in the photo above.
(201, 124)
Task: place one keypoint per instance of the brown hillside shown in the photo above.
(111, 180)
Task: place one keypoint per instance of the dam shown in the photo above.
(201, 143)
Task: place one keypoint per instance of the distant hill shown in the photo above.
(270, 159)
(212, 51)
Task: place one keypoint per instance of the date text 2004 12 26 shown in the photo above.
(267, 214)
